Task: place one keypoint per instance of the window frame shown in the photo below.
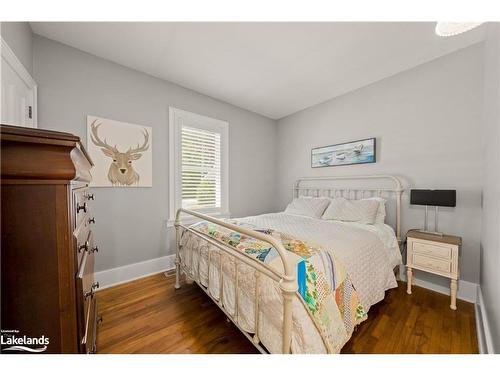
(176, 118)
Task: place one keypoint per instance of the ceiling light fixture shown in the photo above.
(455, 28)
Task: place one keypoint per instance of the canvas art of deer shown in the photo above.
(121, 171)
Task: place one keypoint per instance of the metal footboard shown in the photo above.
(286, 279)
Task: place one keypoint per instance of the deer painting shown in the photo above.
(121, 170)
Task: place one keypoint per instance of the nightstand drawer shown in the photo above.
(434, 250)
(431, 264)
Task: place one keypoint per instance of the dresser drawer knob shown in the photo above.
(90, 197)
(95, 249)
(92, 220)
(90, 293)
(81, 207)
(83, 247)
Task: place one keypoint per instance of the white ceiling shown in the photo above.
(274, 69)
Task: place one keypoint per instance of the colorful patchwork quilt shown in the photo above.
(323, 283)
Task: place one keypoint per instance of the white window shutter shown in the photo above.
(200, 168)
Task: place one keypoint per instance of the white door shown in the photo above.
(18, 95)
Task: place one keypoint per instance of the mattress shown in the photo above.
(368, 252)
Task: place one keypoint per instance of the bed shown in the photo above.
(294, 283)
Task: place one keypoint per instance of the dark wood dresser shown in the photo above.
(47, 254)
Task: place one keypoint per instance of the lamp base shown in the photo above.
(435, 232)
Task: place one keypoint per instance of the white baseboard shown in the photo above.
(482, 326)
(467, 291)
(120, 275)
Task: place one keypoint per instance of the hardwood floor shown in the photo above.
(418, 323)
(150, 316)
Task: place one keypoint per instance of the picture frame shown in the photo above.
(122, 153)
(363, 151)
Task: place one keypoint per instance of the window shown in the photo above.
(200, 168)
(198, 164)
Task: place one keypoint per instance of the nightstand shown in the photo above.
(434, 254)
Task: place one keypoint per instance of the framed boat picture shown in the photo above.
(356, 152)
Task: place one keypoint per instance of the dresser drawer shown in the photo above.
(83, 226)
(88, 342)
(433, 250)
(85, 243)
(86, 287)
(432, 264)
(85, 276)
(81, 199)
(83, 240)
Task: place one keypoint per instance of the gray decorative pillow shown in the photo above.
(363, 211)
(308, 206)
(380, 218)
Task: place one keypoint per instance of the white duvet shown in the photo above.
(368, 252)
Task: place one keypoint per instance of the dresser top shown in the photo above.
(35, 155)
(38, 133)
(445, 238)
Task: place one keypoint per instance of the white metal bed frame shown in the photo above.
(287, 278)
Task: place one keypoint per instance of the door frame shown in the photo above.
(10, 57)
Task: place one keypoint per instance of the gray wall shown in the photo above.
(490, 236)
(131, 221)
(427, 124)
(19, 37)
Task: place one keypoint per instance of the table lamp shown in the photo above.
(436, 198)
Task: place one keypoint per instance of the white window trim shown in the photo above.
(174, 140)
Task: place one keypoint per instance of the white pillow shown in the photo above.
(308, 206)
(380, 218)
(363, 211)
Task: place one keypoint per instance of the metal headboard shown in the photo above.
(325, 187)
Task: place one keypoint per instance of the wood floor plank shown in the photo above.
(149, 316)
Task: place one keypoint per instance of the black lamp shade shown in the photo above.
(441, 198)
